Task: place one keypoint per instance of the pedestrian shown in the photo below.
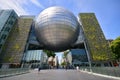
(39, 68)
(77, 67)
(66, 67)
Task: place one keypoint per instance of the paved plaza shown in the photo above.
(60, 74)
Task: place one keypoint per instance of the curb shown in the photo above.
(9, 75)
(97, 74)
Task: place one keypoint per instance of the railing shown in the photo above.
(111, 71)
(13, 71)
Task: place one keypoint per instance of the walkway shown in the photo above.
(56, 75)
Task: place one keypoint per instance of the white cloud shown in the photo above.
(36, 2)
(14, 4)
(19, 5)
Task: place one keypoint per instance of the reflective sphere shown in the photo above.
(56, 28)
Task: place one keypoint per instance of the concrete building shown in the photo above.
(58, 31)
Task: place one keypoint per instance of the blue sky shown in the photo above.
(106, 11)
(59, 54)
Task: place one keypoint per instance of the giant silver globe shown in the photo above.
(56, 28)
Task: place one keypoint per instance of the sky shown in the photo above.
(106, 11)
(59, 54)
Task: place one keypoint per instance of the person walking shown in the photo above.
(66, 67)
(39, 68)
(77, 67)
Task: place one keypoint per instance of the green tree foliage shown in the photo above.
(63, 64)
(49, 53)
(65, 53)
(115, 46)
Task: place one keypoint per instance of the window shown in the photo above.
(3, 36)
(11, 22)
(0, 46)
(7, 29)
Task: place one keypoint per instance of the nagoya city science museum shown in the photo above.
(23, 39)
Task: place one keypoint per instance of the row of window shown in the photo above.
(6, 29)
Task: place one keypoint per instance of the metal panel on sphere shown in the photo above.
(56, 28)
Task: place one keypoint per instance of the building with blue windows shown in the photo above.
(8, 19)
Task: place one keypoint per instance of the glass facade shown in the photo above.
(56, 28)
(35, 55)
(32, 37)
(7, 21)
(32, 41)
(79, 57)
(34, 59)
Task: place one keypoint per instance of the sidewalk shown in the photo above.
(97, 74)
(13, 74)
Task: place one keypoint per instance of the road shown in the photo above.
(56, 75)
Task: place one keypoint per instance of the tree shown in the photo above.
(49, 53)
(65, 53)
(115, 46)
(63, 63)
